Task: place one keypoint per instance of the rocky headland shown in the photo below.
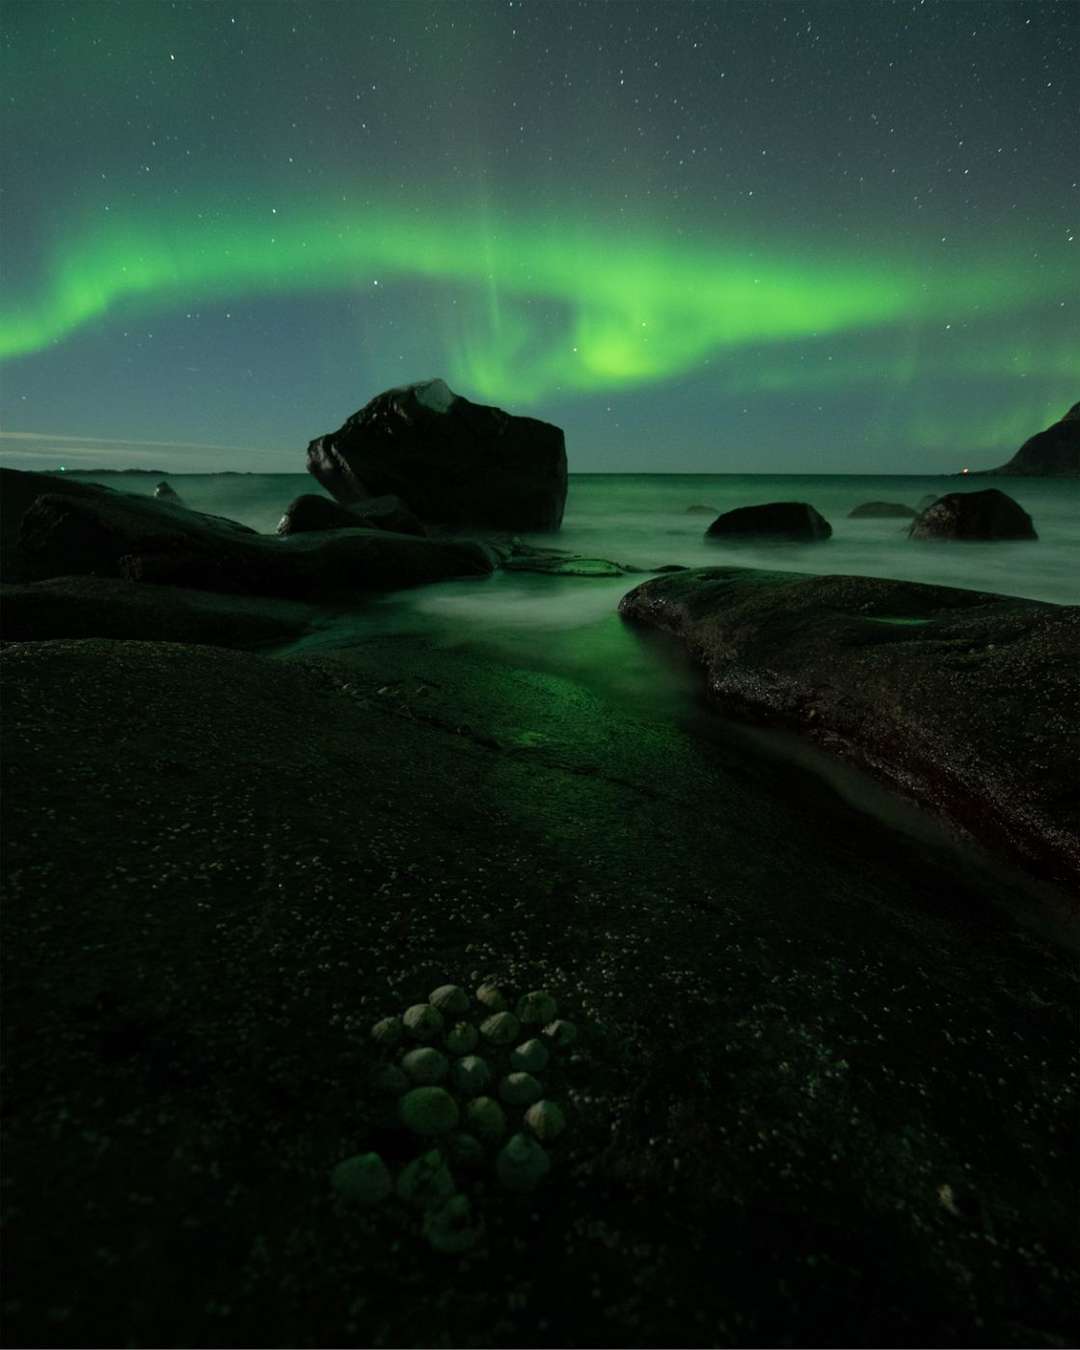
(1053, 452)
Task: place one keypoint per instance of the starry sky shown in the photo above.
(701, 237)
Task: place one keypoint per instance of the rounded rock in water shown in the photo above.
(471, 1075)
(388, 1032)
(450, 999)
(462, 1038)
(485, 1117)
(519, 1089)
(423, 1022)
(363, 1179)
(522, 1163)
(500, 1029)
(536, 1008)
(425, 1065)
(428, 1110)
(530, 1057)
(545, 1119)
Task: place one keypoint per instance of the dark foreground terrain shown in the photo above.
(825, 1091)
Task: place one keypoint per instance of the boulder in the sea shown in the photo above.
(312, 511)
(990, 514)
(797, 521)
(165, 493)
(454, 462)
(882, 511)
(1053, 453)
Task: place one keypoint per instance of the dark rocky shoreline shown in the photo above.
(826, 1085)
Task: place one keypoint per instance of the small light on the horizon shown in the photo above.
(964, 470)
(62, 468)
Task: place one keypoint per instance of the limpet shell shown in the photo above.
(485, 1117)
(426, 1181)
(388, 1032)
(449, 1227)
(449, 998)
(363, 1179)
(562, 1033)
(530, 1056)
(545, 1119)
(536, 1007)
(519, 1089)
(500, 1029)
(471, 1075)
(462, 1038)
(423, 1022)
(425, 1065)
(428, 1110)
(522, 1163)
(491, 996)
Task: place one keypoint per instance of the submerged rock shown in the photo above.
(700, 509)
(882, 511)
(164, 493)
(797, 521)
(454, 462)
(1053, 453)
(990, 514)
(968, 701)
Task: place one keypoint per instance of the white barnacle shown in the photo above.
(363, 1179)
(388, 1032)
(485, 1117)
(545, 1119)
(428, 1110)
(537, 1007)
(522, 1163)
(425, 1065)
(561, 1033)
(426, 1182)
(519, 1089)
(461, 1039)
(449, 1227)
(530, 1056)
(471, 1075)
(500, 1029)
(450, 999)
(491, 996)
(423, 1022)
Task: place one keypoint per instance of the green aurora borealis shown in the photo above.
(555, 302)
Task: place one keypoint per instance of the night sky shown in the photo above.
(699, 236)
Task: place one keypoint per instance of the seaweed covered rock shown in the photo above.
(454, 462)
(796, 521)
(990, 514)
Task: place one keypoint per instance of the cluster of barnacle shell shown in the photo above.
(459, 1082)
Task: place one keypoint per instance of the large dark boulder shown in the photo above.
(19, 489)
(797, 521)
(990, 514)
(882, 511)
(313, 511)
(967, 701)
(1053, 453)
(453, 462)
(113, 534)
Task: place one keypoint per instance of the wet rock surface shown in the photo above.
(990, 514)
(777, 520)
(824, 1087)
(452, 461)
(315, 512)
(969, 702)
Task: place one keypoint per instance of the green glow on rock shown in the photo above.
(630, 308)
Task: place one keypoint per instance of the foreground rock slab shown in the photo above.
(966, 701)
(454, 462)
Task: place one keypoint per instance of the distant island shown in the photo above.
(1053, 453)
